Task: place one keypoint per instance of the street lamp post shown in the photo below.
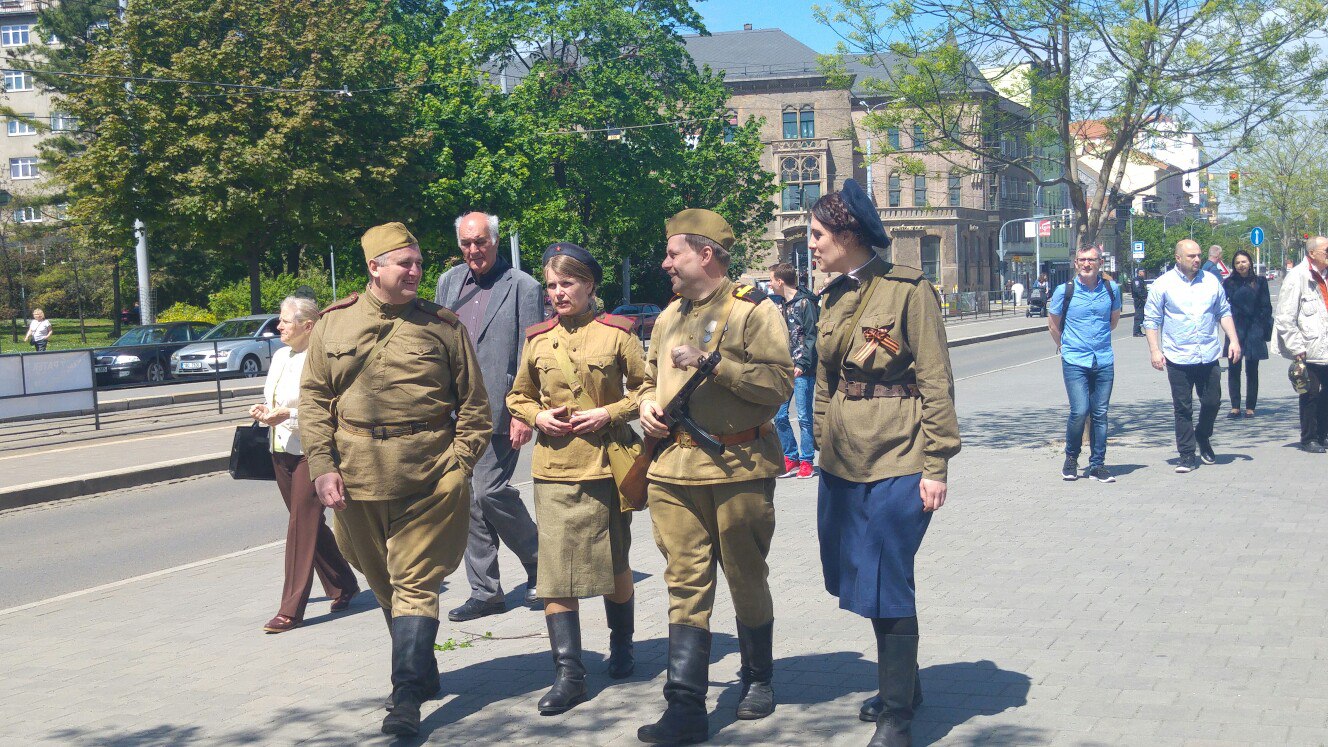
(871, 184)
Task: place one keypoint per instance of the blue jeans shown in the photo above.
(804, 389)
(1089, 389)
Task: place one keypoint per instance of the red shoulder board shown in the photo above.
(623, 323)
(535, 330)
(749, 293)
(343, 303)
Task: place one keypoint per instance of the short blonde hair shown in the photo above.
(304, 308)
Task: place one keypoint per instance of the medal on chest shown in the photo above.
(709, 332)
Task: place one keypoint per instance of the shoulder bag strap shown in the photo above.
(583, 400)
(863, 299)
(373, 353)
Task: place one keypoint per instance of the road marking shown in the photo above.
(1007, 368)
(144, 577)
(108, 442)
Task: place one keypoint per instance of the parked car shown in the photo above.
(243, 346)
(644, 315)
(144, 353)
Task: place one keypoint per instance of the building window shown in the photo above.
(31, 214)
(931, 259)
(790, 125)
(919, 191)
(807, 123)
(14, 36)
(21, 127)
(892, 134)
(730, 125)
(18, 80)
(919, 137)
(801, 177)
(894, 189)
(23, 168)
(954, 189)
(61, 122)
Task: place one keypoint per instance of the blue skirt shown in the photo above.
(870, 532)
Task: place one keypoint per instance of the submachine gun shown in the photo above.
(677, 415)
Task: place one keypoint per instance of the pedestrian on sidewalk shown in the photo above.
(1186, 312)
(570, 388)
(310, 546)
(886, 422)
(801, 310)
(1139, 292)
(1302, 336)
(1252, 313)
(497, 303)
(39, 330)
(1018, 290)
(394, 416)
(714, 511)
(1215, 265)
(1083, 313)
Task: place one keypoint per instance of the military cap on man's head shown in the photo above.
(385, 238)
(861, 207)
(568, 249)
(701, 223)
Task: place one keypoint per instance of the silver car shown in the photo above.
(241, 346)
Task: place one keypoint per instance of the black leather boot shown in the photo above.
(755, 645)
(622, 626)
(896, 671)
(414, 672)
(871, 707)
(685, 720)
(432, 665)
(569, 681)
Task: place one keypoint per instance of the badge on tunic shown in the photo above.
(709, 331)
(876, 337)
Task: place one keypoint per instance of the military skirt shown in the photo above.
(584, 538)
(869, 534)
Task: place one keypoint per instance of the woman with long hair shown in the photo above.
(1252, 313)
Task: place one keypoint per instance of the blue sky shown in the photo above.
(793, 16)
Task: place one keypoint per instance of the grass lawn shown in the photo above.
(64, 335)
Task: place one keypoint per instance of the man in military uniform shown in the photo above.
(714, 510)
(394, 415)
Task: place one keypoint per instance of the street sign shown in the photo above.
(1137, 250)
(1256, 236)
(1044, 228)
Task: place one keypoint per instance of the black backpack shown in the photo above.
(1069, 293)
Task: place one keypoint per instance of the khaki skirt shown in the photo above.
(583, 538)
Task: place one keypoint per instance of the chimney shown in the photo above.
(746, 27)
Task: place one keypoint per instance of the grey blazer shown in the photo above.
(516, 303)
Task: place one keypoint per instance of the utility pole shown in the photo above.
(516, 249)
(146, 315)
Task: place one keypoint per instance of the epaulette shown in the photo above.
(535, 330)
(623, 323)
(749, 293)
(446, 315)
(346, 302)
(903, 272)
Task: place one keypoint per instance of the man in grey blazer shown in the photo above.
(496, 302)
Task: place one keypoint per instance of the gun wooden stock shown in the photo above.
(633, 486)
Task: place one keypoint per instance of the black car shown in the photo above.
(144, 353)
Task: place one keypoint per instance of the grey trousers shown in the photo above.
(496, 515)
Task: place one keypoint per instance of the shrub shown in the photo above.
(183, 312)
(233, 300)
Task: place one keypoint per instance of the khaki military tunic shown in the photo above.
(408, 501)
(708, 511)
(870, 439)
(584, 537)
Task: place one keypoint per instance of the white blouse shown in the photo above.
(282, 389)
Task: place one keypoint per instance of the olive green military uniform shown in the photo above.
(403, 432)
(720, 510)
(584, 537)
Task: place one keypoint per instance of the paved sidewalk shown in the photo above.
(1162, 610)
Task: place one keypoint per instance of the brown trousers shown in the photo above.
(310, 546)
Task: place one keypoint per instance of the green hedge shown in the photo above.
(233, 300)
(183, 312)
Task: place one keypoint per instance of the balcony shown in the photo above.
(808, 146)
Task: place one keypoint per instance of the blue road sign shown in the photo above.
(1256, 236)
(1137, 250)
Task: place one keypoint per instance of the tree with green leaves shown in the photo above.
(1284, 180)
(1218, 69)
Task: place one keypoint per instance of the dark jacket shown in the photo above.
(801, 315)
(1139, 289)
(1252, 313)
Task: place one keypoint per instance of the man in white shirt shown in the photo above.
(39, 331)
(1185, 308)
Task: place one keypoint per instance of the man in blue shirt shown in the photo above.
(1185, 308)
(1081, 325)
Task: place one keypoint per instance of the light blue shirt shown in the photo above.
(1086, 328)
(1189, 314)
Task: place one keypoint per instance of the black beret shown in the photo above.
(861, 207)
(568, 249)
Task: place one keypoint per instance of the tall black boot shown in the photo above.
(414, 672)
(622, 626)
(432, 665)
(871, 707)
(569, 683)
(755, 645)
(896, 671)
(685, 720)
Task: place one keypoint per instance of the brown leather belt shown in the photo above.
(685, 440)
(392, 431)
(863, 390)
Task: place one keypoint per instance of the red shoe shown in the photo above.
(806, 470)
(790, 467)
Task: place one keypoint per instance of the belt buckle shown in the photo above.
(379, 432)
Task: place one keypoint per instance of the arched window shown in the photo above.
(801, 177)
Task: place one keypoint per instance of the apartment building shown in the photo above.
(23, 178)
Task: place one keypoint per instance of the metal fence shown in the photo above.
(984, 304)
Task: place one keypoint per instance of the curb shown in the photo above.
(117, 479)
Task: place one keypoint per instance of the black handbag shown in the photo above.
(251, 457)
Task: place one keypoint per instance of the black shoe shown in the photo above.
(1312, 447)
(685, 720)
(1206, 452)
(622, 626)
(569, 683)
(1187, 463)
(1101, 474)
(474, 609)
(531, 600)
(897, 676)
(1070, 470)
(756, 645)
(414, 672)
(1233, 415)
(872, 707)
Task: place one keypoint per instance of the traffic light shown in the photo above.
(1233, 181)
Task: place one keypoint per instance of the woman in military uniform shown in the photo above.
(569, 387)
(886, 423)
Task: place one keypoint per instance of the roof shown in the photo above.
(1089, 129)
(864, 68)
(754, 55)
